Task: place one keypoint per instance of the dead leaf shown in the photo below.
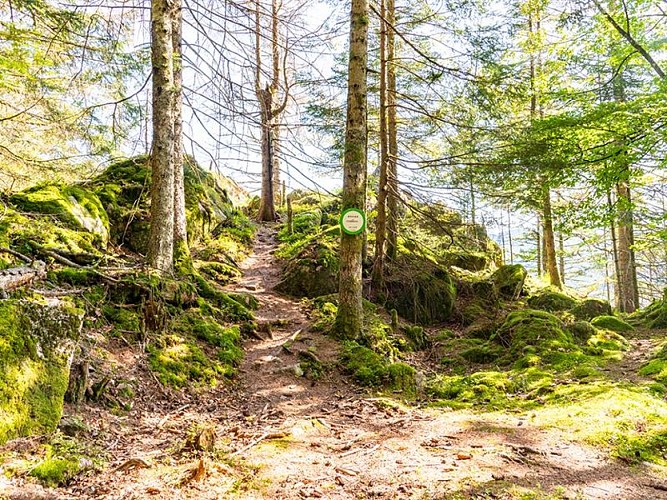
(132, 463)
(463, 456)
(196, 473)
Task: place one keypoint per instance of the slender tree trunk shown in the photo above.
(626, 254)
(618, 289)
(509, 234)
(349, 319)
(473, 207)
(381, 219)
(538, 245)
(275, 83)
(561, 256)
(161, 238)
(549, 241)
(181, 250)
(392, 135)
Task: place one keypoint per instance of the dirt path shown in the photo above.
(281, 435)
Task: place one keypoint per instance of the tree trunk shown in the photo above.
(538, 244)
(627, 268)
(381, 219)
(392, 135)
(161, 238)
(561, 257)
(614, 244)
(549, 241)
(181, 250)
(350, 313)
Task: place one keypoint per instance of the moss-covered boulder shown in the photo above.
(549, 300)
(509, 280)
(420, 290)
(313, 272)
(37, 341)
(124, 190)
(74, 206)
(538, 330)
(611, 323)
(652, 316)
(590, 308)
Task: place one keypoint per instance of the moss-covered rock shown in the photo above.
(420, 290)
(530, 328)
(509, 280)
(652, 316)
(37, 339)
(611, 323)
(124, 191)
(371, 369)
(75, 206)
(551, 301)
(590, 308)
(581, 331)
(313, 272)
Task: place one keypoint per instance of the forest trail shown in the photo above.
(280, 435)
(327, 439)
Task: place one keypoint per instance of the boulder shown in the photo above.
(551, 301)
(590, 308)
(37, 344)
(509, 280)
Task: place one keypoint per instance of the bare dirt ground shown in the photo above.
(282, 436)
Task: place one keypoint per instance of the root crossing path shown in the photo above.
(324, 438)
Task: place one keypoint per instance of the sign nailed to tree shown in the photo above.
(353, 221)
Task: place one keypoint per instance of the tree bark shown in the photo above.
(627, 269)
(181, 250)
(551, 263)
(161, 238)
(349, 318)
(392, 135)
(381, 219)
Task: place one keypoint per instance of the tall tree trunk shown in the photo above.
(626, 254)
(181, 250)
(509, 234)
(392, 135)
(270, 112)
(161, 238)
(561, 256)
(381, 219)
(349, 318)
(618, 289)
(549, 240)
(538, 245)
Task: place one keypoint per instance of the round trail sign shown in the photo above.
(353, 221)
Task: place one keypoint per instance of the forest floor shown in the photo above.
(279, 435)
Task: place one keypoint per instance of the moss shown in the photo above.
(653, 316)
(55, 472)
(220, 272)
(74, 206)
(551, 301)
(122, 318)
(581, 331)
(590, 308)
(74, 276)
(365, 365)
(417, 337)
(402, 378)
(509, 280)
(36, 341)
(529, 327)
(231, 308)
(420, 290)
(482, 354)
(611, 323)
(313, 271)
(198, 351)
(656, 368)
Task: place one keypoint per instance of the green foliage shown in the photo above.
(656, 368)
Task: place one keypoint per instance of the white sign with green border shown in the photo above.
(353, 221)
